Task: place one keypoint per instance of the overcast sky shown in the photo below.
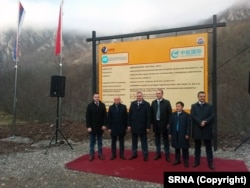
(110, 16)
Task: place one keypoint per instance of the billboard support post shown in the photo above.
(94, 83)
(214, 80)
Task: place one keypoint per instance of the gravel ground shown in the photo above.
(33, 168)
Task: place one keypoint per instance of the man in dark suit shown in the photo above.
(161, 111)
(117, 125)
(96, 120)
(139, 124)
(179, 133)
(202, 116)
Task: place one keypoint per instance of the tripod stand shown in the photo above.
(57, 130)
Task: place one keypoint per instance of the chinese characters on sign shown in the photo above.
(178, 65)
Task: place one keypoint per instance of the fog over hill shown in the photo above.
(34, 43)
(238, 12)
(38, 63)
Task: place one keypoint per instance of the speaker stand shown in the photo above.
(57, 130)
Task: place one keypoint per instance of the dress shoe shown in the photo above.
(211, 166)
(176, 162)
(133, 157)
(196, 164)
(123, 157)
(186, 165)
(145, 158)
(112, 157)
(168, 158)
(91, 157)
(157, 157)
(101, 157)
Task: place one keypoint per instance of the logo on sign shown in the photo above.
(105, 59)
(200, 40)
(104, 49)
(117, 58)
(175, 54)
(187, 53)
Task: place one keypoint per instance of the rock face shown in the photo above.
(238, 12)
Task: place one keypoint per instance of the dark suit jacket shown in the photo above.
(165, 113)
(198, 114)
(96, 117)
(139, 117)
(178, 138)
(118, 119)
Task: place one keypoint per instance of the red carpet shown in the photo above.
(150, 171)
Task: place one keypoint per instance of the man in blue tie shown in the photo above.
(161, 111)
(179, 133)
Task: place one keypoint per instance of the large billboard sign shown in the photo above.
(177, 65)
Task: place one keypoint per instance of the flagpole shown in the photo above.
(14, 104)
(60, 65)
(60, 68)
(15, 84)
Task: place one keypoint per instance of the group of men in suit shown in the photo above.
(167, 125)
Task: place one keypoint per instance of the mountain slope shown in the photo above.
(38, 63)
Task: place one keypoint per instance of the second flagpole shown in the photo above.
(60, 68)
(21, 13)
(14, 104)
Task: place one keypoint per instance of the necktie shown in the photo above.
(177, 124)
(116, 106)
(158, 111)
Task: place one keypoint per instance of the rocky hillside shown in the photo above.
(38, 63)
(238, 12)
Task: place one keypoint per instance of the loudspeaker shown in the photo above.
(57, 87)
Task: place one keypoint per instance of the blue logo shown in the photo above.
(200, 40)
(104, 49)
(105, 59)
(175, 53)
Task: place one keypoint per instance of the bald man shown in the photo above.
(117, 125)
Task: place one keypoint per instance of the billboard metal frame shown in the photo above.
(212, 26)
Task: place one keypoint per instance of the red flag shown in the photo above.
(21, 14)
(58, 42)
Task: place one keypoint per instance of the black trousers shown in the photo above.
(161, 135)
(185, 155)
(144, 144)
(209, 151)
(121, 144)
